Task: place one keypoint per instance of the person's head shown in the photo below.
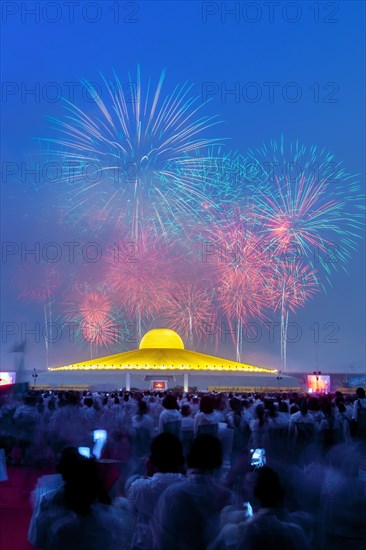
(205, 453)
(166, 453)
(82, 482)
(29, 400)
(235, 405)
(73, 399)
(51, 405)
(206, 404)
(116, 401)
(170, 402)
(142, 408)
(267, 488)
(88, 401)
(304, 407)
(68, 458)
(259, 411)
(271, 409)
(360, 392)
(185, 410)
(313, 404)
(283, 407)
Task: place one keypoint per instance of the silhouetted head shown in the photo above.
(69, 456)
(267, 488)
(360, 392)
(313, 404)
(142, 408)
(205, 453)
(283, 407)
(260, 411)
(206, 404)
(170, 402)
(235, 404)
(82, 482)
(166, 453)
(304, 407)
(271, 409)
(185, 410)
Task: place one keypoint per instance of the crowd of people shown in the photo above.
(192, 471)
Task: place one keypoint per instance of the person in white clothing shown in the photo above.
(170, 418)
(78, 515)
(206, 420)
(167, 460)
(187, 514)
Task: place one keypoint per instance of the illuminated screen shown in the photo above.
(159, 385)
(7, 378)
(318, 383)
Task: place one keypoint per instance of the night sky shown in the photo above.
(294, 70)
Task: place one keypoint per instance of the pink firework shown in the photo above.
(140, 273)
(101, 333)
(297, 218)
(36, 282)
(241, 270)
(94, 306)
(189, 310)
(91, 309)
(292, 284)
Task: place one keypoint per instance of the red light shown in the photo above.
(159, 385)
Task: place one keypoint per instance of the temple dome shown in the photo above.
(161, 338)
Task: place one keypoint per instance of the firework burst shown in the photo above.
(240, 268)
(140, 275)
(292, 285)
(130, 158)
(37, 282)
(189, 310)
(308, 206)
(90, 309)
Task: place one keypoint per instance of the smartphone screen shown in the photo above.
(248, 509)
(84, 451)
(100, 437)
(258, 458)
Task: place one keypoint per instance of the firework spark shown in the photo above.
(189, 310)
(131, 158)
(140, 273)
(90, 308)
(306, 203)
(292, 284)
(36, 282)
(240, 268)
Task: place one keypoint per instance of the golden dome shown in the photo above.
(161, 338)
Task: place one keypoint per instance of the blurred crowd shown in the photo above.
(192, 471)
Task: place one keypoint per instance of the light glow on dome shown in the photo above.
(161, 338)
